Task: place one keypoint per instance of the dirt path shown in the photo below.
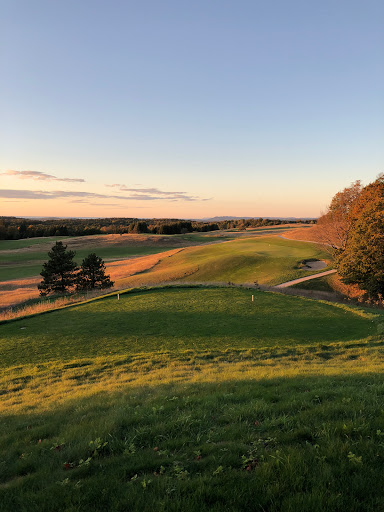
(308, 278)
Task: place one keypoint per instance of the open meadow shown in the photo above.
(193, 398)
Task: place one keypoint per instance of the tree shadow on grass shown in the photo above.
(315, 443)
(168, 322)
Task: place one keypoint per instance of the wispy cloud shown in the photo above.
(39, 176)
(88, 196)
(124, 188)
(89, 203)
(170, 195)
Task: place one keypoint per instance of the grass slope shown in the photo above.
(24, 258)
(320, 284)
(195, 400)
(11, 245)
(178, 319)
(267, 260)
(18, 265)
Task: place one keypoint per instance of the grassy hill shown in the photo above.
(24, 258)
(267, 260)
(193, 399)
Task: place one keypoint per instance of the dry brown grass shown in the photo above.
(124, 273)
(349, 290)
(18, 290)
(97, 241)
(123, 269)
(308, 234)
(38, 307)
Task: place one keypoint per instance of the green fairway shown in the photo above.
(266, 260)
(192, 399)
(18, 265)
(24, 265)
(24, 258)
(175, 320)
(9, 245)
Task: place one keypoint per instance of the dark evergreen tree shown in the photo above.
(59, 272)
(92, 274)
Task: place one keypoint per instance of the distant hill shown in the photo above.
(204, 219)
(219, 219)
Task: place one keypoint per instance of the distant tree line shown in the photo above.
(14, 228)
(243, 224)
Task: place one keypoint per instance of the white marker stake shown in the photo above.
(118, 296)
(252, 298)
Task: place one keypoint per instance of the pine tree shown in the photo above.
(59, 272)
(92, 274)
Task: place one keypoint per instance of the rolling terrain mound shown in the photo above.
(178, 319)
(306, 234)
(24, 258)
(193, 399)
(267, 260)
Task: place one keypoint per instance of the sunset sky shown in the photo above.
(188, 109)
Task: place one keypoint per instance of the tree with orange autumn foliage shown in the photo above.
(334, 227)
(353, 228)
(362, 262)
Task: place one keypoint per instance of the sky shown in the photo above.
(188, 109)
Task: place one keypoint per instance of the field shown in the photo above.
(193, 399)
(24, 258)
(21, 260)
(185, 393)
(243, 258)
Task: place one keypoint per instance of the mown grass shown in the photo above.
(19, 270)
(10, 245)
(320, 284)
(16, 264)
(266, 260)
(303, 443)
(178, 319)
(19, 265)
(194, 400)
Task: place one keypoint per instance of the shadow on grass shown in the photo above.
(178, 319)
(304, 443)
